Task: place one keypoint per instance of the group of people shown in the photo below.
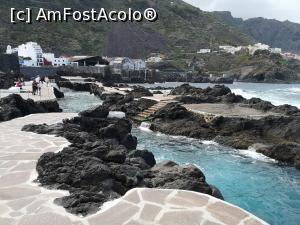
(37, 85)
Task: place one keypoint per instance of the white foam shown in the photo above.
(145, 127)
(116, 114)
(245, 94)
(251, 153)
(210, 143)
(294, 90)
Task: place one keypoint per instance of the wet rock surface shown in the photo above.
(102, 163)
(7, 80)
(126, 103)
(139, 91)
(61, 82)
(14, 106)
(222, 94)
(280, 133)
(58, 93)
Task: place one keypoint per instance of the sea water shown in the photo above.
(245, 178)
(278, 94)
(74, 101)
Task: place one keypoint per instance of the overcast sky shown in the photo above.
(272, 9)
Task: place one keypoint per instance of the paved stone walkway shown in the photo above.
(24, 202)
(47, 93)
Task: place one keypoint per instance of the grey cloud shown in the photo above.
(273, 9)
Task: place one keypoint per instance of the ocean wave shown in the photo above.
(245, 94)
(294, 90)
(251, 153)
(210, 143)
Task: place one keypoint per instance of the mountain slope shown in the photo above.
(180, 28)
(285, 35)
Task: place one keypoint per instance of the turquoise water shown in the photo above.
(77, 101)
(246, 179)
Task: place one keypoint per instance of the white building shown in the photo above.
(204, 51)
(154, 59)
(258, 46)
(60, 61)
(276, 50)
(230, 49)
(139, 64)
(31, 54)
(10, 50)
(119, 64)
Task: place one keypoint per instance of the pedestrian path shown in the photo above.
(47, 93)
(24, 202)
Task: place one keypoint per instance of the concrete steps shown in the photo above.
(146, 114)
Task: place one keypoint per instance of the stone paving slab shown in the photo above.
(228, 110)
(47, 93)
(24, 202)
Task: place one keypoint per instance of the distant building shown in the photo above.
(204, 51)
(276, 50)
(119, 64)
(139, 64)
(50, 59)
(258, 46)
(154, 59)
(230, 49)
(288, 55)
(87, 60)
(30, 54)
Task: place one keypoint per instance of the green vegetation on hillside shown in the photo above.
(182, 28)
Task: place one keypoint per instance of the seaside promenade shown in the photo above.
(24, 202)
(47, 93)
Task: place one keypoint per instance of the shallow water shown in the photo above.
(278, 94)
(246, 178)
(77, 101)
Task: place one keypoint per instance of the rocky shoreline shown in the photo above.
(276, 136)
(14, 106)
(102, 163)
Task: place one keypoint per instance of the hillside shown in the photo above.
(263, 66)
(180, 28)
(285, 35)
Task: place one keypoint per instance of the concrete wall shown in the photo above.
(31, 72)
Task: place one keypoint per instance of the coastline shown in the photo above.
(104, 99)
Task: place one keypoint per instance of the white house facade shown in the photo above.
(204, 51)
(56, 62)
(276, 50)
(230, 49)
(154, 59)
(30, 54)
(139, 64)
(258, 46)
(120, 64)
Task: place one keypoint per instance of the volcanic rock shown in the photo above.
(58, 93)
(102, 164)
(14, 106)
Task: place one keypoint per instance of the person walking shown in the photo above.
(40, 85)
(38, 79)
(34, 87)
(47, 81)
